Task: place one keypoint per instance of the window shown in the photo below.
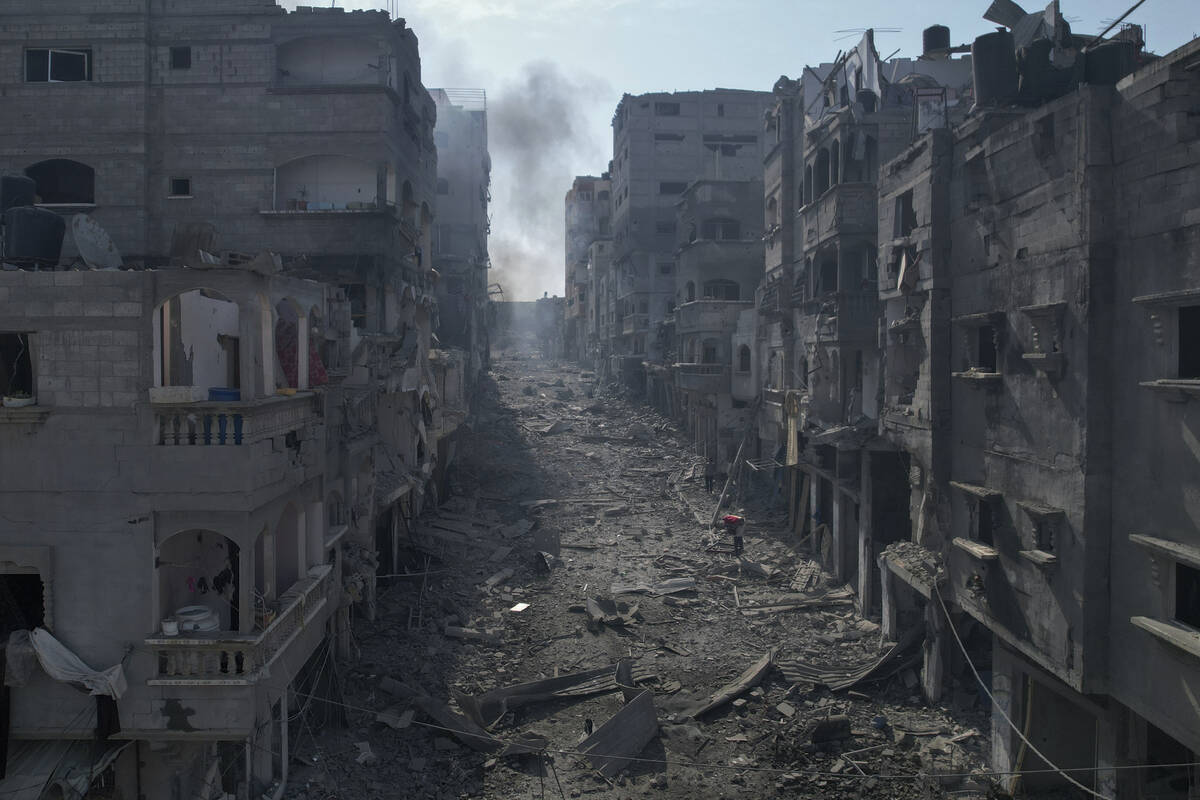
(986, 357)
(672, 187)
(1043, 534)
(1187, 594)
(690, 292)
(668, 137)
(58, 66)
(1189, 342)
(744, 358)
(906, 215)
(61, 181)
(665, 267)
(181, 58)
(602, 196)
(356, 293)
(181, 187)
(666, 109)
(721, 290)
(443, 186)
(604, 229)
(16, 365)
(720, 229)
(984, 523)
(708, 353)
(720, 109)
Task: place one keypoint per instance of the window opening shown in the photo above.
(1187, 594)
(181, 187)
(16, 365)
(986, 353)
(44, 65)
(744, 359)
(665, 267)
(61, 181)
(181, 58)
(356, 293)
(22, 603)
(906, 215)
(666, 109)
(672, 187)
(984, 524)
(1189, 342)
(720, 109)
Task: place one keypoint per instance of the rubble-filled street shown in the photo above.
(575, 546)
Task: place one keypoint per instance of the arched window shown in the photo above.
(744, 358)
(772, 212)
(691, 291)
(821, 173)
(61, 181)
(834, 161)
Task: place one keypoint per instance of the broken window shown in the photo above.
(181, 58)
(906, 215)
(1189, 342)
(665, 267)
(1043, 534)
(984, 523)
(356, 293)
(721, 229)
(721, 290)
(666, 109)
(61, 181)
(744, 358)
(672, 187)
(16, 365)
(986, 356)
(1187, 594)
(181, 187)
(22, 603)
(43, 65)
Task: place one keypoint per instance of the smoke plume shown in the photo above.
(540, 136)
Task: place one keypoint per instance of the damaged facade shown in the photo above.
(208, 453)
(966, 367)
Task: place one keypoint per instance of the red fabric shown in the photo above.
(287, 345)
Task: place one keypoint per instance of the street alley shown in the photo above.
(577, 539)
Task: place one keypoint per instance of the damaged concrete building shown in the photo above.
(206, 453)
(662, 143)
(1039, 284)
(588, 210)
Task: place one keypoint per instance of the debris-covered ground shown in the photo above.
(576, 543)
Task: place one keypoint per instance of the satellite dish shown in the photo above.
(94, 245)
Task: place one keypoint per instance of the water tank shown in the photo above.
(934, 38)
(33, 234)
(994, 68)
(16, 190)
(1110, 62)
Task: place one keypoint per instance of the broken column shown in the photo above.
(935, 652)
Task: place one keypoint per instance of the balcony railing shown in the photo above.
(844, 208)
(710, 315)
(635, 322)
(230, 424)
(228, 658)
(707, 378)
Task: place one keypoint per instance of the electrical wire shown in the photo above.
(1000, 709)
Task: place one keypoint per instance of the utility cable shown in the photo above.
(1000, 709)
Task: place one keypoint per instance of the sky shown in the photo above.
(554, 71)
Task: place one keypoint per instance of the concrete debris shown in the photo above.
(500, 577)
(463, 729)
(473, 635)
(837, 678)
(669, 586)
(831, 729)
(396, 717)
(613, 612)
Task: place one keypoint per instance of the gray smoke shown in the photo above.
(540, 136)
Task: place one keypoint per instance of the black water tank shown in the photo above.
(16, 190)
(994, 67)
(33, 234)
(935, 37)
(1110, 62)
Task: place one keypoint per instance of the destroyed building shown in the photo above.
(588, 218)
(662, 143)
(220, 414)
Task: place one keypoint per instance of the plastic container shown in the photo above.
(34, 234)
(170, 627)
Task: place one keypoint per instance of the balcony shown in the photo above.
(845, 316)
(223, 658)
(703, 378)
(634, 323)
(232, 424)
(701, 316)
(843, 208)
